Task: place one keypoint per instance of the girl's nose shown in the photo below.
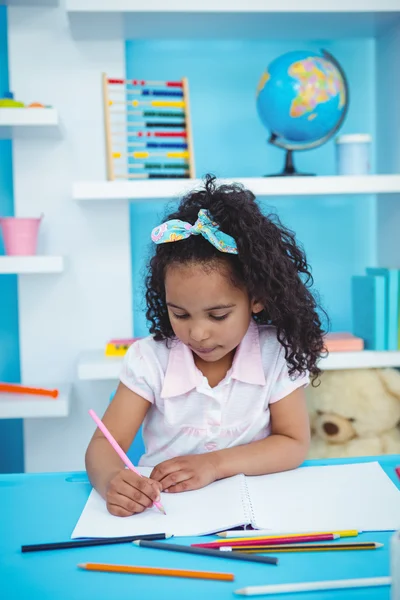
(198, 334)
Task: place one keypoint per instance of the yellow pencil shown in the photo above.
(304, 547)
(258, 534)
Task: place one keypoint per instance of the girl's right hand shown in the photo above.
(128, 493)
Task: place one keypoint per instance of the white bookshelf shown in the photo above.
(95, 366)
(91, 38)
(27, 406)
(367, 359)
(227, 6)
(22, 117)
(28, 3)
(256, 19)
(30, 265)
(94, 191)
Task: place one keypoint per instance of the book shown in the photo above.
(391, 277)
(343, 342)
(312, 498)
(369, 310)
(119, 347)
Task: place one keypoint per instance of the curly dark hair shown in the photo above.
(270, 264)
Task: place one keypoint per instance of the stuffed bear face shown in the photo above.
(333, 428)
(354, 403)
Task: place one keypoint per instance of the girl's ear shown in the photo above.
(256, 307)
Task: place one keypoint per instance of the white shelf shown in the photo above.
(29, 3)
(22, 265)
(22, 117)
(236, 19)
(94, 365)
(224, 6)
(27, 406)
(367, 359)
(87, 191)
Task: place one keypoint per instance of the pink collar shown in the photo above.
(182, 375)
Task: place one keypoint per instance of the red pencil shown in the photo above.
(326, 537)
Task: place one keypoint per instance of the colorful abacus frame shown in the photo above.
(146, 121)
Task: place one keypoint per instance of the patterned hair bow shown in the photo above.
(176, 230)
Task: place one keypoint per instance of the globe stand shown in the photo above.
(290, 170)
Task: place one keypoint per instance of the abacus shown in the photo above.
(147, 129)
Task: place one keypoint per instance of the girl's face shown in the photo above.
(207, 312)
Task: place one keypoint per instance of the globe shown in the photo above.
(302, 99)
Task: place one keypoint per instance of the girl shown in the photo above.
(219, 385)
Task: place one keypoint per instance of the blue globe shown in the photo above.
(302, 99)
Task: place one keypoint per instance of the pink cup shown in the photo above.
(20, 235)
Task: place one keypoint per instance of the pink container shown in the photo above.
(20, 235)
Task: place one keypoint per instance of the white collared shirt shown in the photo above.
(187, 416)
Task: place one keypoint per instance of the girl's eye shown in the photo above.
(180, 316)
(219, 318)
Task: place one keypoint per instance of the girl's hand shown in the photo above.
(185, 473)
(127, 493)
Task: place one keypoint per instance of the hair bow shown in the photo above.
(176, 230)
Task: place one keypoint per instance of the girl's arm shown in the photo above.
(124, 491)
(284, 449)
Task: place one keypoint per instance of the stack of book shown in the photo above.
(375, 308)
(343, 342)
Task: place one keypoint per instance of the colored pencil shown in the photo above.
(265, 541)
(270, 560)
(93, 542)
(266, 533)
(119, 451)
(16, 388)
(157, 571)
(303, 547)
(314, 586)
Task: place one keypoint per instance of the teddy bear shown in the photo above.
(355, 412)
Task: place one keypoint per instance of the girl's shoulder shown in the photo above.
(271, 350)
(150, 351)
(268, 338)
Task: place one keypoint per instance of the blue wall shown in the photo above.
(338, 232)
(11, 445)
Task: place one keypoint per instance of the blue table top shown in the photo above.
(37, 508)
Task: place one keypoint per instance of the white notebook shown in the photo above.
(327, 498)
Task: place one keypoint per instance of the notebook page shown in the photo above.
(219, 506)
(329, 498)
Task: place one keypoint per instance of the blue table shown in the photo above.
(45, 507)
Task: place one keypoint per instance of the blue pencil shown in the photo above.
(269, 560)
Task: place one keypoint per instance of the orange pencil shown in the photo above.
(157, 571)
(14, 388)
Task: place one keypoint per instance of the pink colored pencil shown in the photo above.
(119, 451)
(326, 537)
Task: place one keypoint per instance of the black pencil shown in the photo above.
(93, 542)
(270, 560)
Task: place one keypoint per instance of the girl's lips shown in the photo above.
(203, 350)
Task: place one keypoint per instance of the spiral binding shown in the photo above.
(247, 504)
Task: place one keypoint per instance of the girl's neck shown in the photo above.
(214, 371)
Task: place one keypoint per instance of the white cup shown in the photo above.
(353, 154)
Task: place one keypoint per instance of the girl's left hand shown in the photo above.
(185, 473)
